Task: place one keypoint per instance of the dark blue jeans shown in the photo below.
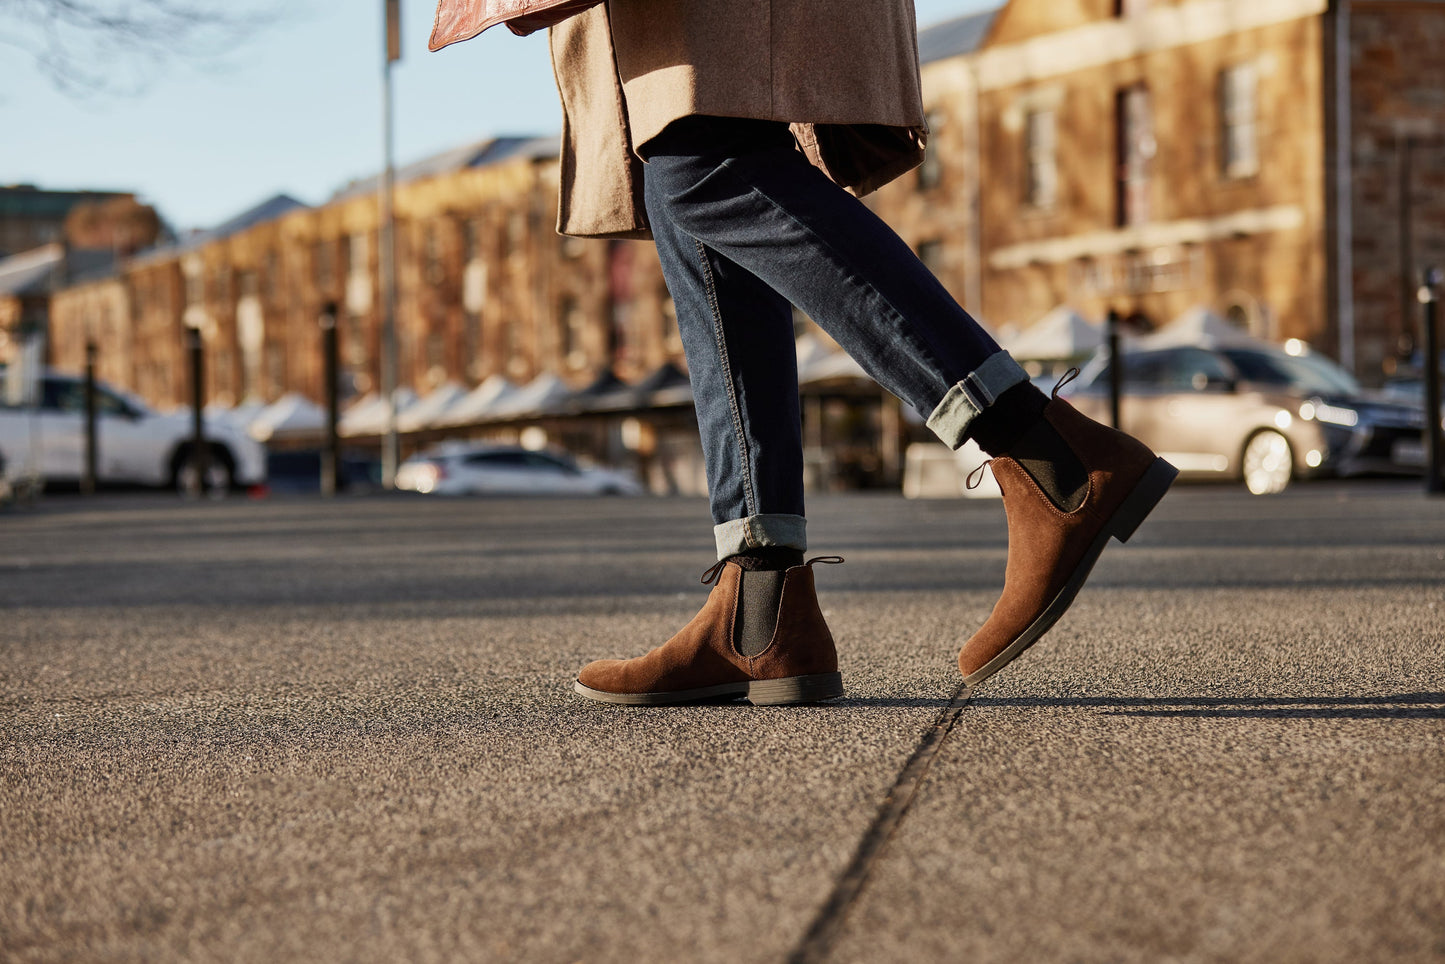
(746, 228)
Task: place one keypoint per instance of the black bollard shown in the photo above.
(1434, 443)
(331, 362)
(1116, 368)
(88, 480)
(200, 450)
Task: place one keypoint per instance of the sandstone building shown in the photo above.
(1143, 156)
(1147, 156)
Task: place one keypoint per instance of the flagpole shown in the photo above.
(390, 446)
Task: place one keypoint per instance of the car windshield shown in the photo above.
(1307, 374)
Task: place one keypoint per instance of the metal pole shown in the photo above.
(390, 446)
(1116, 368)
(1407, 234)
(200, 450)
(88, 480)
(331, 452)
(1434, 436)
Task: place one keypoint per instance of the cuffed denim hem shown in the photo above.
(966, 400)
(756, 531)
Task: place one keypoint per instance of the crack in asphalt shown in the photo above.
(818, 940)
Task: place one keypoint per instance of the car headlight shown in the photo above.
(1333, 414)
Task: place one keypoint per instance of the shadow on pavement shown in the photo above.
(1401, 706)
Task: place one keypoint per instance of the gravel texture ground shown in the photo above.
(293, 730)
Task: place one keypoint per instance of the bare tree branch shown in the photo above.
(87, 47)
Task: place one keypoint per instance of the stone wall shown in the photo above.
(1397, 92)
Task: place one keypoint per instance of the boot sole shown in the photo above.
(1121, 525)
(767, 692)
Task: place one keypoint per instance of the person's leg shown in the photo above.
(741, 190)
(738, 336)
(761, 634)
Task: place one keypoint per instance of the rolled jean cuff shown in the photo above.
(757, 531)
(967, 400)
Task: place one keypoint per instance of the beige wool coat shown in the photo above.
(843, 73)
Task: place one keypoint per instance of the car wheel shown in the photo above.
(220, 473)
(1267, 463)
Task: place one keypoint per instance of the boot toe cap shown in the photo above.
(605, 675)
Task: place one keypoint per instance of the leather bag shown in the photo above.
(459, 20)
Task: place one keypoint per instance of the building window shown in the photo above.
(516, 234)
(432, 253)
(930, 172)
(1041, 174)
(276, 367)
(436, 350)
(622, 345)
(325, 266)
(573, 325)
(272, 282)
(356, 353)
(221, 283)
(473, 241)
(359, 253)
(671, 334)
(1135, 149)
(195, 288)
(931, 254)
(1238, 134)
(472, 336)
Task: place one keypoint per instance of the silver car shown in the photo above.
(1255, 413)
(484, 469)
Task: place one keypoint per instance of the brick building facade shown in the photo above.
(1145, 157)
(1148, 157)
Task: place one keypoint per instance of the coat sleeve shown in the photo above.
(601, 189)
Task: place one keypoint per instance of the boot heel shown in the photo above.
(796, 689)
(1140, 502)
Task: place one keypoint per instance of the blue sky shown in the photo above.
(296, 109)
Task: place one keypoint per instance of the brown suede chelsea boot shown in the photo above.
(702, 662)
(1051, 549)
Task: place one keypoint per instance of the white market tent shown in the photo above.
(429, 409)
(838, 366)
(368, 416)
(240, 416)
(479, 402)
(291, 414)
(810, 349)
(1197, 326)
(1061, 335)
(819, 361)
(541, 395)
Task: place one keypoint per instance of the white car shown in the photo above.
(477, 469)
(134, 445)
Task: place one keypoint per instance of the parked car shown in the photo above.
(298, 471)
(1256, 413)
(482, 469)
(134, 445)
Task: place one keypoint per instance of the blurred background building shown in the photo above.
(1277, 162)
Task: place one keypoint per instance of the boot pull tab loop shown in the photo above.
(825, 560)
(1069, 376)
(709, 577)
(975, 478)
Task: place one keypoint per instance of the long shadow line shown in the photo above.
(817, 942)
(1211, 702)
(1399, 706)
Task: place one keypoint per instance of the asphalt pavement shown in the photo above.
(297, 730)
